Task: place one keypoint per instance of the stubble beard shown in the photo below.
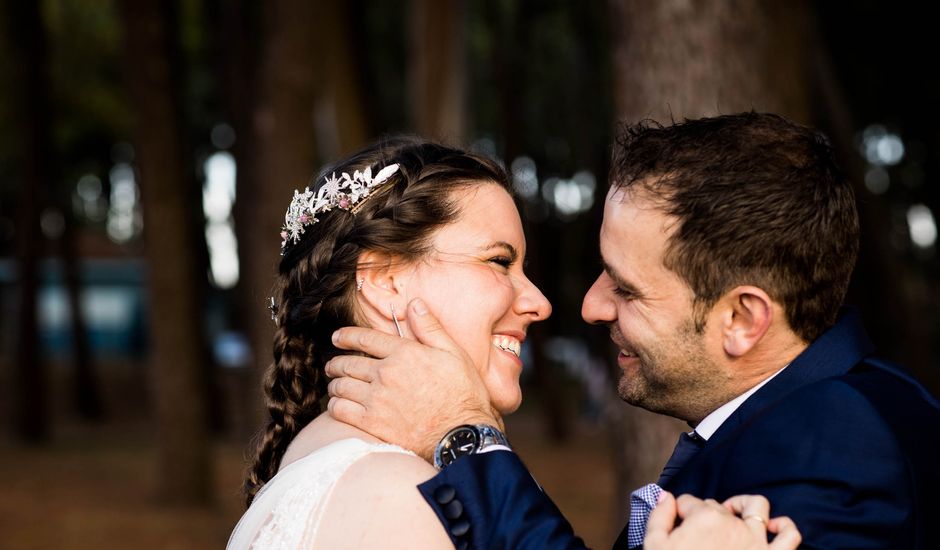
(675, 377)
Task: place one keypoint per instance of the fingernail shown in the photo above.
(418, 306)
(335, 337)
(662, 497)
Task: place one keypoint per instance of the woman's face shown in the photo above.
(474, 284)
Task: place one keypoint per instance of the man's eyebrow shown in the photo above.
(513, 253)
(618, 280)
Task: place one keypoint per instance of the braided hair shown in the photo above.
(316, 289)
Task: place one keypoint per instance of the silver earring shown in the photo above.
(395, 318)
(359, 284)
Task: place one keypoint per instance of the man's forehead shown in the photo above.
(626, 208)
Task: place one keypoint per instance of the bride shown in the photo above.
(402, 219)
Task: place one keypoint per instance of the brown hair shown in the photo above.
(759, 200)
(315, 288)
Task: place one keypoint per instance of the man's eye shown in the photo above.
(623, 293)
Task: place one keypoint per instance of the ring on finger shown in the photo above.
(758, 518)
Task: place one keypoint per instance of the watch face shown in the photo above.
(461, 442)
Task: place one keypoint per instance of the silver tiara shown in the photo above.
(337, 192)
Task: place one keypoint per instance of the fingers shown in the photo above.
(369, 341)
(428, 330)
(788, 536)
(353, 366)
(661, 522)
(688, 504)
(749, 505)
(753, 509)
(346, 411)
(425, 326)
(351, 389)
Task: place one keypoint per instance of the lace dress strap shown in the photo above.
(286, 512)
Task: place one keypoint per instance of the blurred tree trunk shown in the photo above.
(26, 43)
(176, 326)
(343, 101)
(675, 59)
(86, 394)
(283, 156)
(438, 69)
(679, 59)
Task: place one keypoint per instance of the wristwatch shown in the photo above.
(466, 440)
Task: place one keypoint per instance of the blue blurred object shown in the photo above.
(231, 350)
(113, 300)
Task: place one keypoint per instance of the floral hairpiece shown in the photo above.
(342, 192)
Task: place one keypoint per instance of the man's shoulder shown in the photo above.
(863, 420)
(872, 390)
(861, 439)
(868, 398)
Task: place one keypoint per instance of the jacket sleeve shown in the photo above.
(491, 501)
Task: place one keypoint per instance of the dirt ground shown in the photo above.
(92, 487)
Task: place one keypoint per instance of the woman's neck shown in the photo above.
(322, 431)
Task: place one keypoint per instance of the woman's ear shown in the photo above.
(746, 313)
(380, 284)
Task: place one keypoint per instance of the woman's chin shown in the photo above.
(508, 403)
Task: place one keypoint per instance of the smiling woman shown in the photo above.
(400, 220)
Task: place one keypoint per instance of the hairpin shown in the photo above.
(272, 307)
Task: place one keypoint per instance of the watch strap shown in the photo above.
(489, 437)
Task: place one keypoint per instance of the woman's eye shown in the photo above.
(503, 261)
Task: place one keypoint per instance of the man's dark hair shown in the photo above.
(758, 200)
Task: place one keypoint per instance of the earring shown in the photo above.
(359, 284)
(395, 318)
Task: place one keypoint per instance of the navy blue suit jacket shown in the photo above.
(844, 444)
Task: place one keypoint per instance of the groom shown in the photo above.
(727, 246)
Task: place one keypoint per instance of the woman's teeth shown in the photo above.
(508, 343)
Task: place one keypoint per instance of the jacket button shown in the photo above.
(460, 528)
(444, 494)
(453, 509)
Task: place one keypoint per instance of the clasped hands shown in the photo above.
(741, 522)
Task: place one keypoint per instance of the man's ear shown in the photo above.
(380, 281)
(745, 313)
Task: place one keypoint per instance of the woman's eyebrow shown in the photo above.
(513, 253)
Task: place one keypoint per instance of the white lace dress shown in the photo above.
(286, 512)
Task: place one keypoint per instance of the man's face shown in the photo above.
(665, 363)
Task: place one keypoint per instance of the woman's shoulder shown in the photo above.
(376, 503)
(384, 471)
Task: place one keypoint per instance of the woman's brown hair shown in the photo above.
(315, 288)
